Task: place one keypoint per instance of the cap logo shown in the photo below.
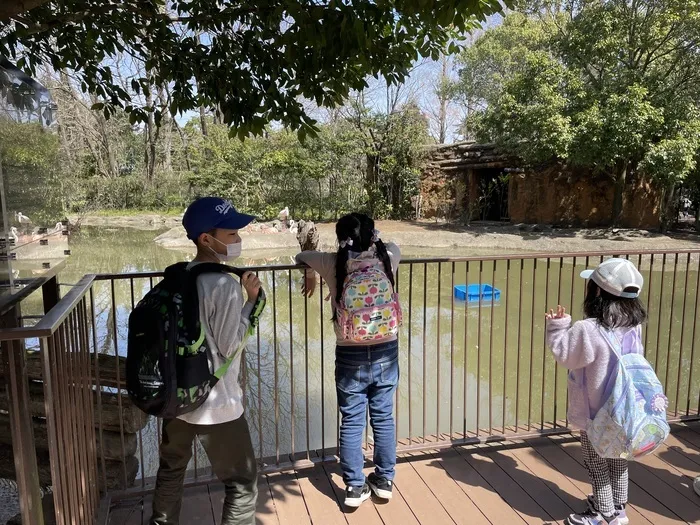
(224, 207)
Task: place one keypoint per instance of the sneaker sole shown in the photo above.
(380, 493)
(621, 521)
(356, 502)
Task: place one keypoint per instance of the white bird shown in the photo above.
(23, 219)
(293, 227)
(283, 214)
(58, 227)
(14, 235)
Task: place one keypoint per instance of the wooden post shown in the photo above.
(15, 366)
(51, 292)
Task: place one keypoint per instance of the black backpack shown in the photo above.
(167, 368)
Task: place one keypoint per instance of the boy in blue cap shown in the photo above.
(212, 224)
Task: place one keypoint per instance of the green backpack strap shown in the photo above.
(253, 318)
(253, 322)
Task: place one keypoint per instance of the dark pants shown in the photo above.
(230, 452)
(367, 376)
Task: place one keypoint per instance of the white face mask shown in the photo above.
(233, 251)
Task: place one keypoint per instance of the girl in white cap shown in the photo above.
(612, 303)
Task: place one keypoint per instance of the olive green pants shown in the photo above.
(230, 452)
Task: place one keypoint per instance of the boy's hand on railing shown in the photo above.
(251, 283)
(560, 313)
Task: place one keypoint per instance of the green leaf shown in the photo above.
(232, 68)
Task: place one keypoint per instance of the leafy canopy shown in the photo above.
(610, 85)
(253, 60)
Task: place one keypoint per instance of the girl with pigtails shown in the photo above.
(366, 315)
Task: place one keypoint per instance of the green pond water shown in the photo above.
(471, 368)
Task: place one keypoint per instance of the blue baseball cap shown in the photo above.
(208, 213)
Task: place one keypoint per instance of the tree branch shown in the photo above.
(650, 57)
(12, 8)
(117, 9)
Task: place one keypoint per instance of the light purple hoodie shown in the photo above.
(583, 349)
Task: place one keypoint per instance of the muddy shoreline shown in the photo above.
(425, 235)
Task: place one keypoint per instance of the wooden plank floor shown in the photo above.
(537, 482)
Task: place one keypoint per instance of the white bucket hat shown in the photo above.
(618, 277)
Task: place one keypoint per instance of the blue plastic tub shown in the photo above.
(471, 293)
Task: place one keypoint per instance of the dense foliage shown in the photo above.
(87, 163)
(129, 77)
(610, 85)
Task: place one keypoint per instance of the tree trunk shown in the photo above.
(218, 115)
(371, 180)
(620, 181)
(185, 144)
(168, 157)
(203, 121)
(371, 170)
(150, 153)
(167, 125)
(202, 111)
(442, 116)
(104, 139)
(668, 197)
(320, 201)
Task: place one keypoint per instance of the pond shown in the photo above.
(466, 369)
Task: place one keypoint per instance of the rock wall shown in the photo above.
(449, 183)
(571, 198)
(554, 195)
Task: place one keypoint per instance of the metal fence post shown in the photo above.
(23, 447)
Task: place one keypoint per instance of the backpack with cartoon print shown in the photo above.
(369, 310)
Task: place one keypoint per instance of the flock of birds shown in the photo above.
(25, 222)
(292, 225)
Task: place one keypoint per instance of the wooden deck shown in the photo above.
(536, 482)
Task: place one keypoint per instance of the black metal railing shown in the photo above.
(474, 368)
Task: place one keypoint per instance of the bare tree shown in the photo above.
(440, 108)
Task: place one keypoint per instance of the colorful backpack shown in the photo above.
(369, 309)
(632, 421)
(167, 366)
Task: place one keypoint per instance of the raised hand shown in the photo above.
(559, 314)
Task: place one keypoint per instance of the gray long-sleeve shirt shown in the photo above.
(225, 319)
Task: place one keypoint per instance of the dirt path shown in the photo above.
(515, 239)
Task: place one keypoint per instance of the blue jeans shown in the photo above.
(367, 374)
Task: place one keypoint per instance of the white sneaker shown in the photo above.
(356, 496)
(620, 510)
